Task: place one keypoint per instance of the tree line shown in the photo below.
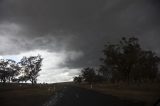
(25, 70)
(124, 61)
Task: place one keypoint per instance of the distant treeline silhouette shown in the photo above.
(25, 70)
(125, 61)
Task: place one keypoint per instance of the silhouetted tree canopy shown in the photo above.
(78, 79)
(31, 66)
(127, 61)
(27, 69)
(88, 74)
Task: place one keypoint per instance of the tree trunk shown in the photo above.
(91, 86)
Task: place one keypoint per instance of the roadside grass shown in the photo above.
(36, 95)
(147, 93)
(26, 94)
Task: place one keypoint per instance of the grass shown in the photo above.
(147, 93)
(26, 94)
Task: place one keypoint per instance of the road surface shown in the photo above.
(74, 96)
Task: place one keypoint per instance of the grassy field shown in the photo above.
(26, 94)
(29, 95)
(147, 93)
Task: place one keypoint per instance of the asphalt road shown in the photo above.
(74, 96)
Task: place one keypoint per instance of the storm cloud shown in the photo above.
(79, 26)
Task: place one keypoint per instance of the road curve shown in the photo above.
(74, 96)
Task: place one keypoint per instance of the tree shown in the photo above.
(8, 70)
(31, 66)
(3, 71)
(88, 75)
(12, 69)
(77, 79)
(146, 67)
(105, 73)
(128, 61)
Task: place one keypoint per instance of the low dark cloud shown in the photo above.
(71, 25)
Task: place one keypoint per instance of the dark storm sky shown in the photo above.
(77, 25)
